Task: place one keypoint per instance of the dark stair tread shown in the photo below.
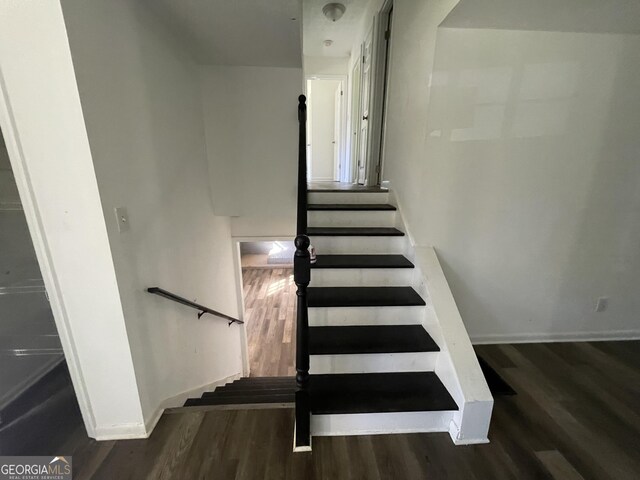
(379, 393)
(256, 393)
(264, 380)
(363, 297)
(362, 261)
(255, 387)
(241, 400)
(354, 232)
(370, 339)
(350, 206)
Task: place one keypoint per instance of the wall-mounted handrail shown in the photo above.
(189, 303)
(302, 277)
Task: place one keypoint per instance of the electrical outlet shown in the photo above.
(122, 218)
(602, 304)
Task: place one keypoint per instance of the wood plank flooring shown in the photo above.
(343, 187)
(270, 302)
(576, 416)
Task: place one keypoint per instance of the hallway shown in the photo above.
(270, 302)
(566, 422)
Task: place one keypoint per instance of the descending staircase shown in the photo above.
(249, 391)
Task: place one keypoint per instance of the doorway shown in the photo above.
(326, 129)
(269, 296)
(369, 80)
(37, 400)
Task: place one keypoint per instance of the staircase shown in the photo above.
(371, 360)
(248, 392)
(380, 344)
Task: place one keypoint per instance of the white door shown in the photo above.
(337, 129)
(356, 83)
(364, 108)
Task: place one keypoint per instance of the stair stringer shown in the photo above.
(457, 365)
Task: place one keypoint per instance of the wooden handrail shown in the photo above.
(189, 303)
(302, 277)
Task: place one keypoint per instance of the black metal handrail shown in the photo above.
(189, 303)
(302, 277)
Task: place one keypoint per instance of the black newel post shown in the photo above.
(302, 277)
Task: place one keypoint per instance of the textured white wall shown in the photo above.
(141, 101)
(325, 65)
(251, 128)
(515, 155)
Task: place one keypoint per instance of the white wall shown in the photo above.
(251, 127)
(43, 125)
(141, 102)
(521, 169)
(325, 65)
(322, 124)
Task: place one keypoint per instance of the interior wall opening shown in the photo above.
(327, 153)
(269, 296)
(37, 400)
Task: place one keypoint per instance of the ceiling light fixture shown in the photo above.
(334, 11)
(328, 43)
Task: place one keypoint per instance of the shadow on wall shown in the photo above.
(532, 181)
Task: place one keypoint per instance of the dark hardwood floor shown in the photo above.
(576, 416)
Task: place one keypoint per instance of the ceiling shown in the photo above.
(589, 16)
(236, 32)
(317, 28)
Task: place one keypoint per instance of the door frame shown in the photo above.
(354, 117)
(39, 237)
(342, 165)
(378, 98)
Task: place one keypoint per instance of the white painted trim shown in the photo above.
(40, 245)
(138, 430)
(353, 139)
(237, 271)
(322, 179)
(300, 449)
(376, 99)
(380, 423)
(555, 337)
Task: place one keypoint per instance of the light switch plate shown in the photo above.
(122, 217)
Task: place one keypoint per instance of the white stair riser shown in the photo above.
(373, 363)
(361, 277)
(378, 423)
(339, 197)
(350, 218)
(337, 316)
(358, 245)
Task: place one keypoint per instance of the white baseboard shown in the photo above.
(125, 431)
(556, 337)
(138, 430)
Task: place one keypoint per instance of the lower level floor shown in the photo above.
(576, 415)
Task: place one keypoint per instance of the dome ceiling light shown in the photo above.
(334, 11)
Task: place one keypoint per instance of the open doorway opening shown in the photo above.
(269, 296)
(38, 406)
(326, 129)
